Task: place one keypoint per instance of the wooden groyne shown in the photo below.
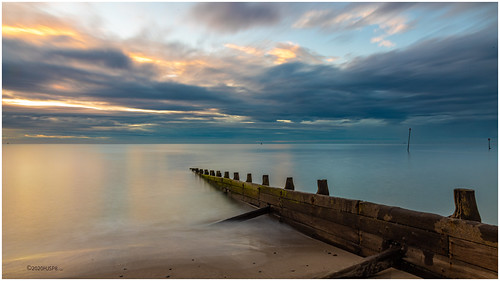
(435, 246)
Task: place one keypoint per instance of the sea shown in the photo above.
(75, 206)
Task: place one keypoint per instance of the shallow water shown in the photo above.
(79, 204)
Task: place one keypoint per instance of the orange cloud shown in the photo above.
(245, 49)
(172, 68)
(62, 137)
(102, 106)
(41, 34)
(284, 53)
(39, 30)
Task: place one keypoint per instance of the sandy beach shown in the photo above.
(259, 248)
(309, 260)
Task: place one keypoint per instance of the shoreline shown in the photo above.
(307, 261)
(282, 253)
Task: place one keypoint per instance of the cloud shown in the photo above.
(245, 49)
(382, 42)
(111, 58)
(355, 16)
(453, 76)
(62, 137)
(388, 17)
(234, 17)
(122, 90)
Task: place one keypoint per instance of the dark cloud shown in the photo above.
(435, 82)
(236, 16)
(452, 76)
(37, 73)
(106, 57)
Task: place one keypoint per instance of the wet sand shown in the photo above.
(311, 259)
(298, 257)
(259, 248)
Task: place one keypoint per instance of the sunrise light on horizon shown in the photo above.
(248, 72)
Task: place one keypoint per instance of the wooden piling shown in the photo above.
(236, 176)
(437, 246)
(289, 184)
(323, 187)
(265, 180)
(218, 174)
(226, 174)
(409, 134)
(465, 205)
(249, 177)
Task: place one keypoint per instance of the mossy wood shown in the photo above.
(437, 246)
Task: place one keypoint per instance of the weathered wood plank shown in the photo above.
(271, 190)
(336, 203)
(248, 215)
(269, 199)
(323, 236)
(469, 230)
(405, 234)
(441, 265)
(235, 188)
(428, 237)
(343, 218)
(344, 232)
(425, 221)
(370, 243)
(251, 190)
(370, 265)
(474, 253)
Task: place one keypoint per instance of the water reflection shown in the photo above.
(74, 204)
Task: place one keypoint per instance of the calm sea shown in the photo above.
(75, 205)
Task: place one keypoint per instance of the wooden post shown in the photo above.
(249, 177)
(236, 176)
(323, 187)
(489, 146)
(226, 174)
(218, 174)
(409, 134)
(289, 184)
(265, 180)
(465, 205)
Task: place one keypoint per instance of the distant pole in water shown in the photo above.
(409, 134)
(489, 147)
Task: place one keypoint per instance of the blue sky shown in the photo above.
(249, 72)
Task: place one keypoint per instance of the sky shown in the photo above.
(201, 72)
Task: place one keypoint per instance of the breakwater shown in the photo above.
(435, 246)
